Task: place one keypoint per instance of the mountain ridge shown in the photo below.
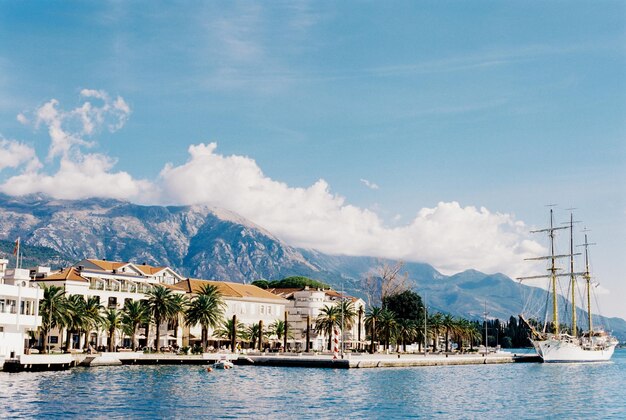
(212, 243)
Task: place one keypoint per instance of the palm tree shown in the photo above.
(53, 311)
(407, 332)
(75, 318)
(206, 309)
(253, 332)
(372, 317)
(277, 328)
(349, 313)
(93, 316)
(181, 303)
(112, 322)
(162, 306)
(328, 318)
(435, 324)
(134, 314)
(387, 326)
(449, 324)
(226, 330)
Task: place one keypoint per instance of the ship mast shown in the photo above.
(587, 277)
(553, 270)
(571, 270)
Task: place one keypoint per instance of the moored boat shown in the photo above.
(569, 345)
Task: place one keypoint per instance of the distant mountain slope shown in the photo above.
(211, 243)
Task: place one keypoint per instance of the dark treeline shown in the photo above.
(512, 334)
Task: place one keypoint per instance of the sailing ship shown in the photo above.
(563, 344)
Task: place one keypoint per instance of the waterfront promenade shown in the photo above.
(42, 362)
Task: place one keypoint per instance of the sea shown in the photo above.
(520, 391)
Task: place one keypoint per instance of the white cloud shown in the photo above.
(449, 236)
(21, 118)
(370, 185)
(79, 175)
(14, 154)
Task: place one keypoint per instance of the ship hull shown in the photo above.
(563, 351)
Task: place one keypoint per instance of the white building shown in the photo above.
(306, 301)
(113, 283)
(19, 310)
(250, 303)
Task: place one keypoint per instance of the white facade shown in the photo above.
(309, 302)
(19, 310)
(249, 303)
(113, 283)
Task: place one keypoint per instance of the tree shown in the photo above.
(349, 313)
(226, 329)
(134, 313)
(263, 284)
(384, 281)
(328, 318)
(372, 318)
(387, 326)
(53, 311)
(277, 328)
(435, 324)
(206, 309)
(406, 305)
(407, 332)
(297, 282)
(93, 316)
(449, 324)
(162, 306)
(112, 322)
(253, 333)
(76, 318)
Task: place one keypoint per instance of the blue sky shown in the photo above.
(502, 105)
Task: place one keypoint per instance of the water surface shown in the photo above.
(496, 391)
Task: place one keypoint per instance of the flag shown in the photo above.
(17, 246)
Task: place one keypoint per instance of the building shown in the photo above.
(307, 302)
(19, 310)
(249, 303)
(113, 283)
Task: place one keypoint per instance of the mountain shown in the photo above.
(213, 243)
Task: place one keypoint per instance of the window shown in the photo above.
(262, 309)
(112, 302)
(127, 301)
(269, 309)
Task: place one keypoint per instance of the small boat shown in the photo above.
(223, 364)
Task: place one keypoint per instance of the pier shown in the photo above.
(42, 362)
(363, 361)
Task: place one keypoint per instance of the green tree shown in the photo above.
(93, 316)
(298, 282)
(206, 309)
(277, 328)
(226, 329)
(407, 332)
(328, 318)
(76, 318)
(372, 319)
(387, 326)
(53, 310)
(406, 305)
(134, 313)
(163, 306)
(112, 322)
(263, 284)
(435, 323)
(449, 325)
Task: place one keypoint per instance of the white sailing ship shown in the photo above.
(569, 344)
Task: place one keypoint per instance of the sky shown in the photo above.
(428, 131)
